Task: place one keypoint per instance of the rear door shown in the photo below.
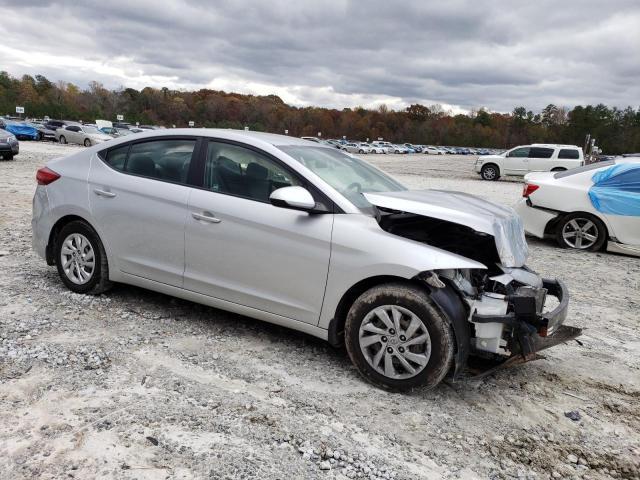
(242, 249)
(540, 159)
(138, 194)
(516, 162)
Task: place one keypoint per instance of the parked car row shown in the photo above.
(353, 146)
(67, 131)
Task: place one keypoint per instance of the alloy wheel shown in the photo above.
(77, 258)
(489, 173)
(395, 342)
(580, 233)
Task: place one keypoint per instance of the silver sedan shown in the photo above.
(86, 135)
(305, 236)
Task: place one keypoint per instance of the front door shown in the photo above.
(138, 196)
(242, 249)
(516, 162)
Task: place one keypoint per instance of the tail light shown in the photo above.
(529, 188)
(45, 176)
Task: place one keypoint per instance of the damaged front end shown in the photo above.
(511, 313)
(512, 316)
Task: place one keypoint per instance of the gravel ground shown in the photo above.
(134, 384)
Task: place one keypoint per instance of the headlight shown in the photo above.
(12, 138)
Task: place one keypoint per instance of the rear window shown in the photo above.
(538, 152)
(584, 168)
(117, 157)
(569, 154)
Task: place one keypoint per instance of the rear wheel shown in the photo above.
(581, 231)
(490, 172)
(63, 140)
(398, 339)
(81, 259)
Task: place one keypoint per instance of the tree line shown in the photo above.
(616, 130)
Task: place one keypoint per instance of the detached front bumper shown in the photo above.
(533, 329)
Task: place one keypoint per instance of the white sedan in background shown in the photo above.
(586, 208)
(432, 150)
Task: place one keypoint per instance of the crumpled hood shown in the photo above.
(503, 223)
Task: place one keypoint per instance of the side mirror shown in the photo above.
(296, 198)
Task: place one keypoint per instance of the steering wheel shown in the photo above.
(355, 186)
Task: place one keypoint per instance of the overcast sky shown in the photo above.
(339, 53)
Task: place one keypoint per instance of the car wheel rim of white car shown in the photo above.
(77, 258)
(580, 233)
(489, 173)
(395, 342)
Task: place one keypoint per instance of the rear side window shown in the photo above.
(538, 152)
(167, 160)
(117, 157)
(569, 154)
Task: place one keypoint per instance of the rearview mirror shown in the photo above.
(296, 198)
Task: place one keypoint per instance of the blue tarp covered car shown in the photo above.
(616, 190)
(21, 130)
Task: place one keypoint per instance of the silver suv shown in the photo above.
(413, 283)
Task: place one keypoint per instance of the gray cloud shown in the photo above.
(496, 54)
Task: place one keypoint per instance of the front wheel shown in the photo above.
(398, 338)
(62, 140)
(490, 172)
(581, 231)
(81, 259)
(87, 142)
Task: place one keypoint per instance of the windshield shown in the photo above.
(348, 175)
(90, 130)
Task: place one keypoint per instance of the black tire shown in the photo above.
(62, 140)
(87, 142)
(40, 136)
(99, 281)
(580, 219)
(417, 301)
(490, 172)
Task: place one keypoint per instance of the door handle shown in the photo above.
(207, 217)
(104, 193)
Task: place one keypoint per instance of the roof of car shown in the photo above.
(553, 145)
(272, 138)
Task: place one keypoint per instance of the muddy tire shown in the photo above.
(81, 260)
(398, 338)
(581, 231)
(490, 172)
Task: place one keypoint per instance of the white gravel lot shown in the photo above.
(138, 385)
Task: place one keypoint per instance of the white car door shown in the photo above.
(138, 196)
(540, 159)
(72, 133)
(242, 249)
(516, 162)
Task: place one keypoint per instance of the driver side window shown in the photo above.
(243, 172)
(520, 152)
